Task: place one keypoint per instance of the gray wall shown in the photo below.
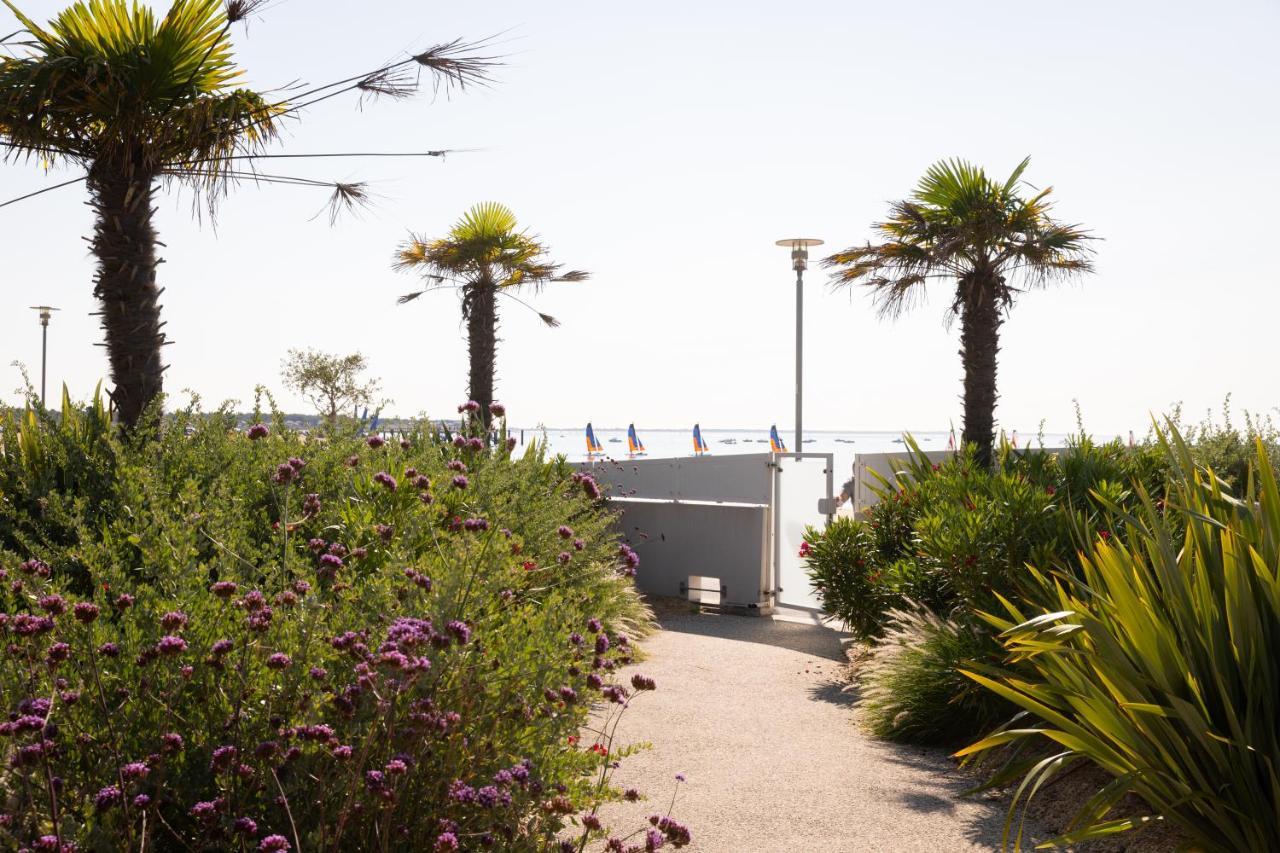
(729, 541)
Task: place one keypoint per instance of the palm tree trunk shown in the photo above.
(124, 243)
(482, 344)
(979, 346)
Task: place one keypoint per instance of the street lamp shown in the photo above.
(46, 312)
(799, 262)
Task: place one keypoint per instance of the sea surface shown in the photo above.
(666, 443)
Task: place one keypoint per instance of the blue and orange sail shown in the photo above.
(635, 446)
(775, 440)
(699, 446)
(593, 446)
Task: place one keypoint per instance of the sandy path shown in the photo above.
(750, 711)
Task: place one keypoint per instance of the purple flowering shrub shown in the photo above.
(256, 642)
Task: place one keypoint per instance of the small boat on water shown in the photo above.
(615, 440)
(775, 441)
(635, 447)
(593, 445)
(699, 446)
(728, 441)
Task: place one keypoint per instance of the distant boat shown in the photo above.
(635, 447)
(809, 441)
(593, 446)
(775, 441)
(699, 446)
(898, 441)
(615, 440)
(728, 441)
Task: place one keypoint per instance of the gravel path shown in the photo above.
(751, 711)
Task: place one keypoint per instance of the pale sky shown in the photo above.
(664, 147)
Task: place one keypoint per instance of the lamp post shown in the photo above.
(799, 262)
(46, 312)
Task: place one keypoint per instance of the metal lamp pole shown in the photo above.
(799, 262)
(46, 313)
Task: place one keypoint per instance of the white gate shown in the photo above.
(802, 489)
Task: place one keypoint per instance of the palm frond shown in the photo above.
(455, 63)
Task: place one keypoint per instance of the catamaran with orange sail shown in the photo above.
(635, 447)
(775, 440)
(699, 446)
(593, 446)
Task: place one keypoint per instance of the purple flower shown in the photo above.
(318, 673)
(258, 431)
(405, 444)
(385, 480)
(141, 801)
(221, 647)
(279, 660)
(497, 410)
(58, 652)
(124, 601)
(85, 611)
(174, 620)
(107, 797)
(223, 589)
(204, 810)
(565, 531)
(575, 638)
(246, 826)
(578, 544)
(284, 475)
(274, 844)
(563, 558)
(653, 839)
(331, 561)
(172, 741)
(223, 756)
(644, 682)
(460, 481)
(590, 487)
(35, 567)
(471, 407)
(311, 504)
(594, 625)
(171, 645)
(135, 770)
(457, 465)
(54, 605)
(297, 464)
(476, 524)
(460, 631)
(594, 681)
(396, 767)
(375, 441)
(446, 842)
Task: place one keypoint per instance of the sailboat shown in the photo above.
(951, 442)
(593, 446)
(635, 447)
(775, 441)
(699, 446)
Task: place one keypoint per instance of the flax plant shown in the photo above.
(1158, 664)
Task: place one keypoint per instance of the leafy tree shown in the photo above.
(137, 101)
(993, 240)
(483, 256)
(331, 383)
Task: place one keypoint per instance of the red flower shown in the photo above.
(1050, 490)
(573, 740)
(1105, 534)
(599, 749)
(805, 549)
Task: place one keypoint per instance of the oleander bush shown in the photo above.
(215, 640)
(1156, 660)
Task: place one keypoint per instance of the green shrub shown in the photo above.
(220, 641)
(1158, 662)
(913, 689)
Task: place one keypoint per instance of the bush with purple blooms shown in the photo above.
(201, 651)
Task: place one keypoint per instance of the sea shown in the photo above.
(668, 443)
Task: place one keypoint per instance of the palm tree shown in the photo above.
(137, 101)
(995, 242)
(483, 257)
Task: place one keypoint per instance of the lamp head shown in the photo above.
(799, 251)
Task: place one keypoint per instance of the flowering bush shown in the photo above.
(256, 642)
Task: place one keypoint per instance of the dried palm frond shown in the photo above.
(394, 83)
(238, 10)
(455, 64)
(347, 197)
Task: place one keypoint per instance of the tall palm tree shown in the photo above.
(993, 240)
(483, 257)
(138, 101)
(127, 96)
